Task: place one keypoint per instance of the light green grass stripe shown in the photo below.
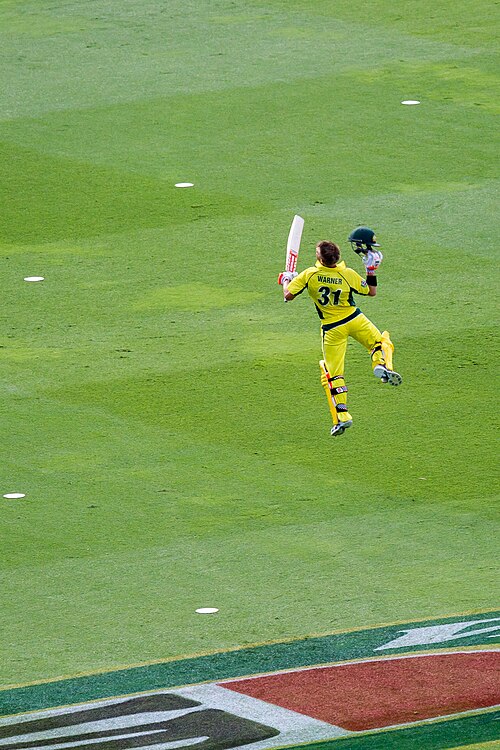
(193, 47)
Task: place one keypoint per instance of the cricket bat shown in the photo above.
(293, 244)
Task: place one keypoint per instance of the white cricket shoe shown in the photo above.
(387, 376)
(340, 428)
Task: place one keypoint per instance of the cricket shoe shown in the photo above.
(340, 428)
(387, 376)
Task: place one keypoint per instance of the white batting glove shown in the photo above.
(286, 276)
(372, 260)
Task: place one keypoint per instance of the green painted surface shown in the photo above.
(176, 457)
(447, 735)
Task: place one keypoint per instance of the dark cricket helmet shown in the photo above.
(362, 239)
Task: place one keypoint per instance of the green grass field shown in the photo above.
(161, 407)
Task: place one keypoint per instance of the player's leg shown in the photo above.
(380, 347)
(385, 371)
(388, 349)
(334, 349)
(325, 382)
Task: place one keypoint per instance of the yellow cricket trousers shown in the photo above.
(334, 340)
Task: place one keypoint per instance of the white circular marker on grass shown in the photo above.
(410, 101)
(184, 184)
(34, 278)
(207, 610)
(14, 495)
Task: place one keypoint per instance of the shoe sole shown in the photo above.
(394, 378)
(387, 376)
(345, 425)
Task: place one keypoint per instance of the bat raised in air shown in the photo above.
(292, 247)
(293, 244)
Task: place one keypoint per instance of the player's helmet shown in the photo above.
(362, 239)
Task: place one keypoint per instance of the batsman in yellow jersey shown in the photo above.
(332, 286)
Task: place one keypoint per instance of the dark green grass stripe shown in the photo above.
(87, 200)
(442, 735)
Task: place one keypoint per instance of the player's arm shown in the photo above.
(287, 296)
(371, 261)
(371, 281)
(296, 282)
(367, 287)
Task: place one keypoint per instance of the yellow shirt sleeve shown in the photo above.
(299, 283)
(356, 282)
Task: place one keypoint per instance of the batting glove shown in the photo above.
(372, 260)
(286, 276)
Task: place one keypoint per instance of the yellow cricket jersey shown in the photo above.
(331, 289)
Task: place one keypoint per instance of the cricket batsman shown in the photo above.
(332, 286)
